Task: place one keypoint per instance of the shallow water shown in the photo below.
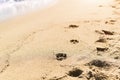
(10, 8)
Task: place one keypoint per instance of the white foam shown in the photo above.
(10, 8)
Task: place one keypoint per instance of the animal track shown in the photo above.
(108, 32)
(101, 49)
(61, 56)
(4, 63)
(75, 72)
(102, 40)
(99, 63)
(20, 43)
(110, 22)
(105, 32)
(73, 26)
(74, 41)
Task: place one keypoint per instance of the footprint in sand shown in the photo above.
(61, 56)
(74, 41)
(73, 26)
(99, 63)
(102, 40)
(4, 62)
(106, 32)
(111, 22)
(75, 72)
(100, 6)
(101, 49)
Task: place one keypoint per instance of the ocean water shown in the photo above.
(11, 8)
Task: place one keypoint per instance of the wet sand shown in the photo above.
(72, 40)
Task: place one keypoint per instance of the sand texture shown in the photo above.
(71, 40)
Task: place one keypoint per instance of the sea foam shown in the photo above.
(10, 8)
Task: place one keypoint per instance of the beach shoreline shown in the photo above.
(70, 40)
(9, 10)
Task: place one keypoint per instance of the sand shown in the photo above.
(71, 40)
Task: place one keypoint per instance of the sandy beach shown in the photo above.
(70, 40)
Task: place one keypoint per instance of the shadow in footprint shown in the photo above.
(74, 41)
(100, 49)
(105, 32)
(73, 26)
(110, 21)
(101, 40)
(99, 32)
(75, 72)
(108, 32)
(99, 63)
(61, 56)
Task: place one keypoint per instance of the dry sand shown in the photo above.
(86, 33)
